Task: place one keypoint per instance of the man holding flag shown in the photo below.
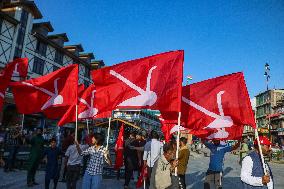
(252, 172)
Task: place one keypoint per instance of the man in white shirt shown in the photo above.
(73, 162)
(252, 173)
(152, 152)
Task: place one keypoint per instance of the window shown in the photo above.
(41, 48)
(58, 57)
(1, 25)
(38, 66)
(21, 33)
(55, 68)
(24, 18)
(21, 36)
(18, 52)
(87, 72)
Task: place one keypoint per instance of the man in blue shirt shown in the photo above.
(214, 173)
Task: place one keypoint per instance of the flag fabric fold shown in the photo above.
(119, 149)
(87, 107)
(5, 78)
(152, 82)
(21, 68)
(166, 126)
(142, 177)
(217, 108)
(51, 94)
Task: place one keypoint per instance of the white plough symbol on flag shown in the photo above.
(16, 72)
(146, 97)
(221, 121)
(91, 112)
(55, 97)
(1, 95)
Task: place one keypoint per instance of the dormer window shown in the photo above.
(41, 48)
(58, 57)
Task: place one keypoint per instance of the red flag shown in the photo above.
(119, 148)
(51, 94)
(218, 108)
(142, 177)
(81, 89)
(153, 82)
(5, 78)
(86, 107)
(21, 67)
(166, 126)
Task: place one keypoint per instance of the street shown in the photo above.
(196, 173)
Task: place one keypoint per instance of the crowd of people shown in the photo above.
(73, 159)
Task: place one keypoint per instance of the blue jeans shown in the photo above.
(92, 182)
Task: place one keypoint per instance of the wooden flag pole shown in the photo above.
(260, 151)
(88, 131)
(259, 147)
(178, 136)
(108, 131)
(76, 125)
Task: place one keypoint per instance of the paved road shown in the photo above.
(195, 176)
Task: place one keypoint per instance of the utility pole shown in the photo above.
(267, 75)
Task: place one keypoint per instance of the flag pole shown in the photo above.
(23, 119)
(260, 151)
(108, 130)
(178, 136)
(88, 127)
(76, 125)
(259, 147)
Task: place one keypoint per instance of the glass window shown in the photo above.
(21, 37)
(58, 57)
(38, 66)
(24, 18)
(18, 52)
(41, 48)
(87, 72)
(1, 24)
(21, 33)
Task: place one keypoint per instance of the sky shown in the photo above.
(218, 37)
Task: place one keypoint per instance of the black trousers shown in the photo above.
(128, 174)
(72, 176)
(181, 182)
(47, 182)
(11, 158)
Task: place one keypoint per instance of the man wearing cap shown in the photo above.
(252, 173)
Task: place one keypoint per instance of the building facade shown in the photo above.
(23, 35)
(277, 121)
(145, 119)
(265, 107)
